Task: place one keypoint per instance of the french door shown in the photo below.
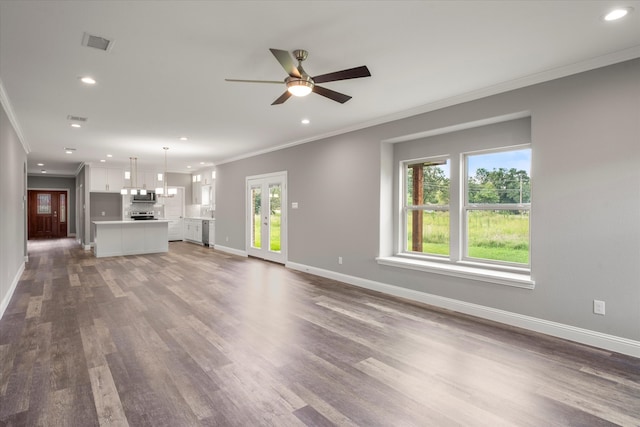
(48, 214)
(267, 217)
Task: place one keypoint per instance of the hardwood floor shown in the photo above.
(197, 337)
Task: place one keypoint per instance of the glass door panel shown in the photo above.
(256, 215)
(266, 217)
(275, 217)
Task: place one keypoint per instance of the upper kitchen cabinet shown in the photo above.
(206, 195)
(106, 180)
(208, 176)
(148, 180)
(203, 187)
(196, 188)
(144, 179)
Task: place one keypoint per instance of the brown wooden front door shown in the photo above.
(48, 214)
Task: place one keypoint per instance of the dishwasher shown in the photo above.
(205, 232)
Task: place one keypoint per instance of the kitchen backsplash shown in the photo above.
(199, 211)
(128, 207)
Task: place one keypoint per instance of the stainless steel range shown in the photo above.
(143, 216)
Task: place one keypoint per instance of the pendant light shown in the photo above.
(133, 177)
(165, 191)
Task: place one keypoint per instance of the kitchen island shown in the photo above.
(116, 238)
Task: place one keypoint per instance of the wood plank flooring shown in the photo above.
(196, 337)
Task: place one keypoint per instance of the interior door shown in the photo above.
(174, 212)
(267, 217)
(48, 214)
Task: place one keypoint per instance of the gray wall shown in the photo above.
(62, 183)
(181, 180)
(13, 160)
(585, 228)
(82, 197)
(108, 203)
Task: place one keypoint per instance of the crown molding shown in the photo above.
(524, 81)
(6, 104)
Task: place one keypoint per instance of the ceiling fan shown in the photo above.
(299, 83)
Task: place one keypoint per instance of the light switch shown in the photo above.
(294, 205)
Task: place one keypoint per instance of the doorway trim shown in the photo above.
(26, 196)
(282, 256)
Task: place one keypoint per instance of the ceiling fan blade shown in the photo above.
(331, 94)
(351, 73)
(286, 95)
(284, 58)
(254, 81)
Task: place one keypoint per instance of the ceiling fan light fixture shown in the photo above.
(299, 87)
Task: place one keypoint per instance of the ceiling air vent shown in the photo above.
(96, 42)
(76, 118)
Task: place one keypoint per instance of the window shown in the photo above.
(426, 209)
(43, 205)
(63, 207)
(497, 202)
(456, 201)
(490, 223)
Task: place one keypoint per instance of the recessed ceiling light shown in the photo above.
(617, 13)
(183, 138)
(68, 152)
(102, 160)
(40, 164)
(202, 163)
(43, 171)
(109, 155)
(188, 167)
(75, 125)
(88, 80)
(305, 121)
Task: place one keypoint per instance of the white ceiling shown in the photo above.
(164, 76)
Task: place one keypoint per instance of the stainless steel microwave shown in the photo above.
(150, 197)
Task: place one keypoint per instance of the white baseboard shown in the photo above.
(560, 330)
(12, 288)
(231, 250)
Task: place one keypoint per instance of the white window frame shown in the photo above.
(466, 207)
(406, 208)
(457, 265)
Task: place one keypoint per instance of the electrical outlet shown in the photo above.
(226, 239)
(598, 307)
(339, 260)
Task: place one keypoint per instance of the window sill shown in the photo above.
(520, 279)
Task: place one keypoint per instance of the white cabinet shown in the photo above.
(212, 232)
(106, 180)
(148, 180)
(206, 195)
(196, 189)
(116, 238)
(175, 230)
(144, 179)
(193, 230)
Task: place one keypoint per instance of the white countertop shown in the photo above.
(131, 221)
